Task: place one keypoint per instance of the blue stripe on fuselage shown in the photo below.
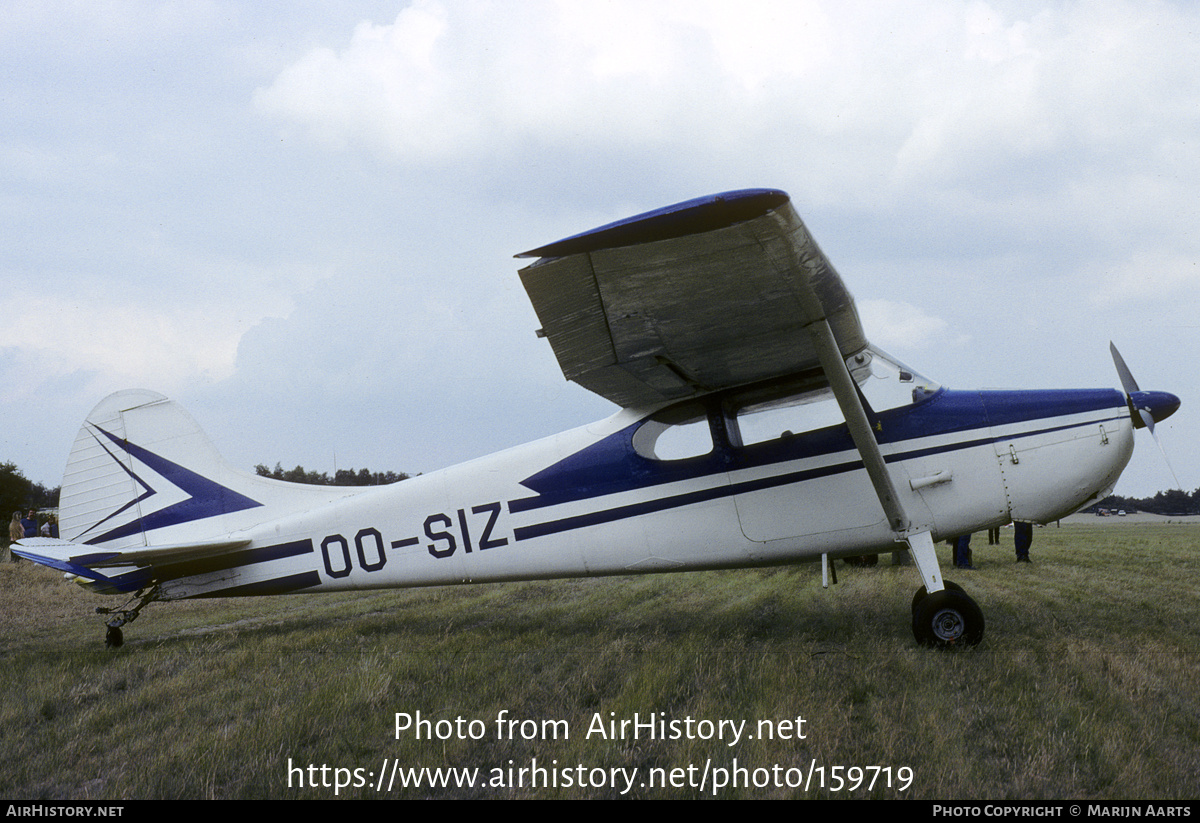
(279, 585)
(611, 465)
(232, 560)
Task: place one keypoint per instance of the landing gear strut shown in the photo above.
(947, 619)
(114, 637)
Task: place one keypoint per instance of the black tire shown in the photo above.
(114, 638)
(920, 595)
(948, 619)
(862, 560)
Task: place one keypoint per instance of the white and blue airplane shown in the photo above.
(757, 427)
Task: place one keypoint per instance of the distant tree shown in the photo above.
(342, 477)
(366, 477)
(15, 491)
(18, 493)
(1174, 501)
(45, 498)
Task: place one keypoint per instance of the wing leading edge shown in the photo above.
(703, 295)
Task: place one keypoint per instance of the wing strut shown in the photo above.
(834, 365)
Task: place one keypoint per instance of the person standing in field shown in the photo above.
(1023, 539)
(15, 532)
(30, 525)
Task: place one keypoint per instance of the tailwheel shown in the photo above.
(948, 619)
(114, 638)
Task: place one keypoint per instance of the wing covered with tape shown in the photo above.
(703, 295)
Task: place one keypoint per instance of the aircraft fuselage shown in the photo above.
(589, 502)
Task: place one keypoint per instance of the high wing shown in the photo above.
(708, 294)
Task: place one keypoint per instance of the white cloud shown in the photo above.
(1150, 278)
(952, 96)
(163, 336)
(444, 80)
(900, 326)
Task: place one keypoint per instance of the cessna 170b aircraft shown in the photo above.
(757, 427)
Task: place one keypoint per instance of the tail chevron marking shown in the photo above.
(204, 497)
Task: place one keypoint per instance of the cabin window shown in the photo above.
(675, 433)
(805, 403)
(785, 417)
(781, 409)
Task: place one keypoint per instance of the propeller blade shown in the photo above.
(1131, 388)
(1127, 382)
(1143, 404)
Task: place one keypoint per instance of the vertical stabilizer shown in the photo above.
(141, 464)
(143, 473)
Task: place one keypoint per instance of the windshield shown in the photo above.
(886, 383)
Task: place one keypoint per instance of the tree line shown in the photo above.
(1176, 503)
(342, 477)
(18, 493)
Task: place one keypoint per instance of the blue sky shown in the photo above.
(299, 219)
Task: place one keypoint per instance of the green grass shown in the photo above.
(1087, 683)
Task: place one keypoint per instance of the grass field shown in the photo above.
(1087, 684)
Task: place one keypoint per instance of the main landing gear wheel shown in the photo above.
(113, 638)
(947, 619)
(920, 595)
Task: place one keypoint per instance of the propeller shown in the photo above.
(1146, 407)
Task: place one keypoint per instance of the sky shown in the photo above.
(299, 219)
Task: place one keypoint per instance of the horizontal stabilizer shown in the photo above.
(81, 555)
